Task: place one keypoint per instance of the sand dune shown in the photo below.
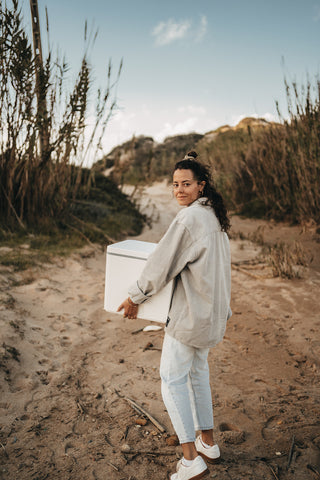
(66, 367)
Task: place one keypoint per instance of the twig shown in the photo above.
(246, 262)
(13, 209)
(137, 331)
(273, 472)
(290, 453)
(81, 407)
(80, 233)
(126, 432)
(252, 275)
(5, 451)
(256, 266)
(148, 452)
(139, 409)
(147, 414)
(107, 440)
(113, 466)
(93, 227)
(150, 346)
(313, 469)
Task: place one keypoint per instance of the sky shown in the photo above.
(188, 66)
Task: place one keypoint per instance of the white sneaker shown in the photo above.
(211, 454)
(197, 470)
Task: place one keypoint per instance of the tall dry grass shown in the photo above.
(279, 175)
(37, 182)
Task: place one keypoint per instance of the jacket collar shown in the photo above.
(199, 201)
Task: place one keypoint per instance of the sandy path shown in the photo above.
(62, 415)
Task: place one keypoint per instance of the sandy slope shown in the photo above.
(63, 415)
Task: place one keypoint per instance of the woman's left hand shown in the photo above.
(129, 308)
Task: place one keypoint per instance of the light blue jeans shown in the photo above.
(185, 388)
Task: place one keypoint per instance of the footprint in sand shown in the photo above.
(36, 328)
(84, 298)
(65, 341)
(83, 313)
(270, 427)
(68, 299)
(230, 433)
(43, 375)
(60, 323)
(43, 361)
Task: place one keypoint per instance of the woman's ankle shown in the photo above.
(189, 450)
(207, 437)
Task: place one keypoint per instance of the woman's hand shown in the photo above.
(129, 308)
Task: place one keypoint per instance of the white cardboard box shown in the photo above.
(124, 264)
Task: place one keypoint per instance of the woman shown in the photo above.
(195, 253)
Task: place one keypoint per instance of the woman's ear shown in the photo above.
(201, 185)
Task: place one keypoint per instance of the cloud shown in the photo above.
(169, 129)
(202, 30)
(170, 31)
(193, 110)
(123, 119)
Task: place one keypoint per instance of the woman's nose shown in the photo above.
(180, 188)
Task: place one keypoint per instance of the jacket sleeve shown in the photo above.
(171, 255)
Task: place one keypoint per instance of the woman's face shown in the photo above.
(186, 188)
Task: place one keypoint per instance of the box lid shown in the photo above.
(132, 249)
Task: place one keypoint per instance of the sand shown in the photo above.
(67, 368)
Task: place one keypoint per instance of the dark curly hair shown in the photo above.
(202, 174)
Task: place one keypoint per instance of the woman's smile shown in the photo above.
(186, 189)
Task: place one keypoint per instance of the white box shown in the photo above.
(124, 264)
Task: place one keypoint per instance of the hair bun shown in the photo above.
(192, 153)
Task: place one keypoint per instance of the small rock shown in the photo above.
(125, 448)
(141, 421)
(172, 441)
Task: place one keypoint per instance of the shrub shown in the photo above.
(285, 260)
(42, 127)
(281, 168)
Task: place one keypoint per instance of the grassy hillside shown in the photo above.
(262, 169)
(225, 148)
(100, 214)
(142, 160)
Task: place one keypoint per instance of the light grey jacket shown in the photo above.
(196, 254)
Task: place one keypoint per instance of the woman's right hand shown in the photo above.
(129, 308)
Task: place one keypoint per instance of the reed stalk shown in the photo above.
(36, 182)
(277, 174)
